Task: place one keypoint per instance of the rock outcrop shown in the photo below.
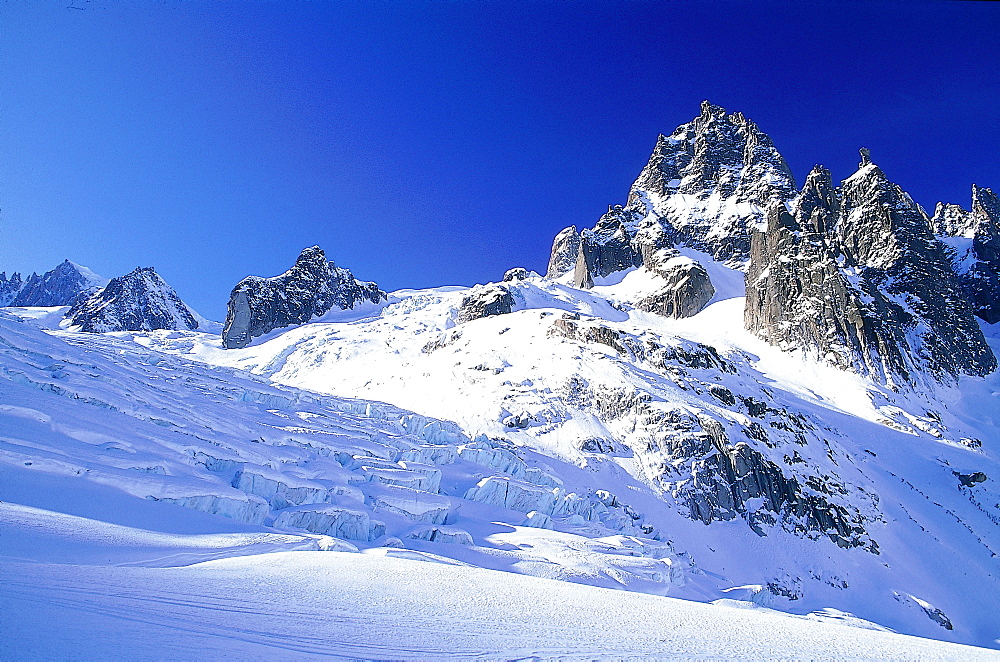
(565, 248)
(855, 276)
(485, 302)
(687, 291)
(311, 288)
(61, 286)
(973, 238)
(138, 301)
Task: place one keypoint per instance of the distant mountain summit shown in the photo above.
(311, 288)
(138, 301)
(61, 286)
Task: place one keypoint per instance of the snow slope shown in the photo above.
(891, 463)
(300, 605)
(141, 491)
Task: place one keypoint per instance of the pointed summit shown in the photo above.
(867, 288)
(312, 287)
(866, 157)
(62, 286)
(137, 301)
(974, 241)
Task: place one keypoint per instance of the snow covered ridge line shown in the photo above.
(718, 442)
(60, 287)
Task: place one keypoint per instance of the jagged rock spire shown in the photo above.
(312, 287)
(866, 286)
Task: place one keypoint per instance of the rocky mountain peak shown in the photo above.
(312, 287)
(311, 258)
(986, 206)
(866, 157)
(869, 288)
(880, 221)
(138, 301)
(61, 286)
(817, 204)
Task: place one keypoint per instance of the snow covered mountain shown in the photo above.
(716, 441)
(137, 301)
(117, 461)
(311, 288)
(727, 391)
(61, 286)
(706, 186)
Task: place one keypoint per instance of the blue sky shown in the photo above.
(431, 143)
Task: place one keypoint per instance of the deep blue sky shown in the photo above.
(430, 143)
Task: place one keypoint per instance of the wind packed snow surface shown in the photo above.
(196, 501)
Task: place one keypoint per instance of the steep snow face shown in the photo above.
(855, 276)
(138, 301)
(718, 441)
(311, 288)
(62, 286)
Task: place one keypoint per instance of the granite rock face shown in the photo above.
(61, 286)
(138, 301)
(706, 186)
(486, 302)
(311, 288)
(973, 238)
(687, 291)
(517, 273)
(565, 248)
(710, 182)
(855, 276)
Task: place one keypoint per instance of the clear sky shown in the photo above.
(431, 143)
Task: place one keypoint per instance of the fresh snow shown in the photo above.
(154, 484)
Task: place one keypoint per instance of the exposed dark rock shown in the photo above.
(608, 247)
(687, 291)
(855, 276)
(311, 288)
(726, 480)
(137, 301)
(969, 480)
(517, 273)
(974, 239)
(485, 302)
